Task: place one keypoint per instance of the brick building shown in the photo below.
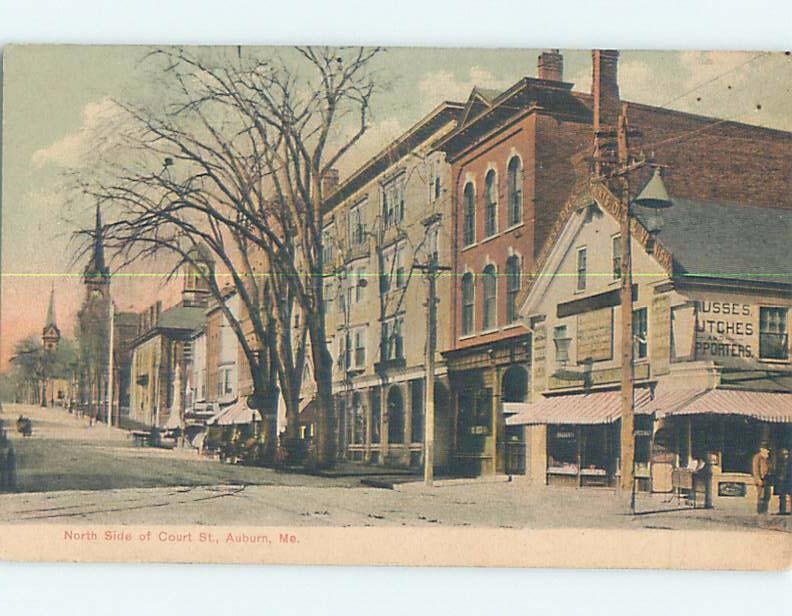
(516, 157)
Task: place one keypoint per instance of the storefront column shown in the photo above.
(496, 398)
(367, 441)
(536, 464)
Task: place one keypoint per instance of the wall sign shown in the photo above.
(595, 335)
(731, 488)
(725, 330)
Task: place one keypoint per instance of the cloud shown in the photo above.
(378, 135)
(438, 86)
(70, 150)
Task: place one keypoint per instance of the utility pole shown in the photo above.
(431, 269)
(110, 364)
(627, 380)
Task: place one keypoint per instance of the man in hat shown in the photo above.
(782, 486)
(760, 469)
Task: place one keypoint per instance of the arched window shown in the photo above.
(395, 416)
(491, 221)
(489, 284)
(512, 287)
(359, 420)
(515, 191)
(468, 302)
(469, 198)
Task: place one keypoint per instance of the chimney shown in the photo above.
(551, 65)
(329, 182)
(605, 87)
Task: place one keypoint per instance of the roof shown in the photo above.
(719, 240)
(181, 317)
(397, 149)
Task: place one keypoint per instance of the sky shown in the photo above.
(53, 96)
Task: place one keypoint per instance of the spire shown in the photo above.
(51, 321)
(96, 271)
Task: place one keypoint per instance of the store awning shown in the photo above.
(237, 413)
(761, 405)
(580, 409)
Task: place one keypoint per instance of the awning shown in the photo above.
(581, 409)
(761, 405)
(237, 413)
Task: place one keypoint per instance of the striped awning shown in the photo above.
(237, 413)
(580, 409)
(761, 405)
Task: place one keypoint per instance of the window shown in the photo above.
(489, 284)
(376, 403)
(639, 328)
(469, 198)
(581, 269)
(358, 420)
(360, 284)
(360, 348)
(392, 338)
(395, 415)
(616, 257)
(512, 287)
(327, 244)
(393, 202)
(357, 227)
(327, 297)
(773, 333)
(468, 302)
(394, 275)
(515, 191)
(491, 220)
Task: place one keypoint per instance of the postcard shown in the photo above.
(380, 306)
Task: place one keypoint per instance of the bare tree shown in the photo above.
(234, 159)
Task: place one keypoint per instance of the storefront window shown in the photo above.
(740, 443)
(395, 415)
(561, 447)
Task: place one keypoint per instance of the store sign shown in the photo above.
(725, 330)
(595, 335)
(732, 488)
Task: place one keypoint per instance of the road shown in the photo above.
(70, 472)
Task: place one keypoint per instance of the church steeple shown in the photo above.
(97, 272)
(50, 335)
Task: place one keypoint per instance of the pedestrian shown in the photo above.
(761, 471)
(782, 484)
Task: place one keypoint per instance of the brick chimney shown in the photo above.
(551, 65)
(605, 87)
(329, 182)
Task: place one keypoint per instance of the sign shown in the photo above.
(731, 488)
(539, 380)
(725, 330)
(596, 377)
(660, 334)
(595, 335)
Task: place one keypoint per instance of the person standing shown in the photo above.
(760, 469)
(783, 480)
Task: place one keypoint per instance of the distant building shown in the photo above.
(161, 354)
(93, 335)
(392, 213)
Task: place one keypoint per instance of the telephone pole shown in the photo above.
(618, 170)
(627, 380)
(431, 269)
